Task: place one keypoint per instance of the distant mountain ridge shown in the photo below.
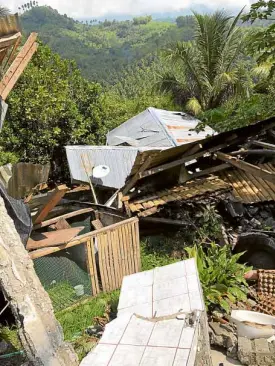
(103, 50)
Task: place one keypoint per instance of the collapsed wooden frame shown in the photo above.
(18, 65)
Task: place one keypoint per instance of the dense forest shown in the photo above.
(87, 78)
(103, 49)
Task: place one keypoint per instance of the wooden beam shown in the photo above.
(52, 201)
(183, 160)
(211, 170)
(136, 177)
(112, 199)
(66, 216)
(261, 152)
(265, 145)
(97, 224)
(247, 167)
(18, 66)
(8, 41)
(184, 176)
(160, 220)
(52, 238)
(79, 239)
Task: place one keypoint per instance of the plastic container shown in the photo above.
(79, 290)
(250, 331)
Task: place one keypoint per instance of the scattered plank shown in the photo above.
(261, 152)
(160, 220)
(97, 224)
(137, 176)
(66, 216)
(243, 165)
(112, 199)
(18, 65)
(211, 170)
(52, 201)
(265, 145)
(61, 224)
(52, 238)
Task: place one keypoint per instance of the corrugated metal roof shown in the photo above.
(180, 126)
(147, 205)
(119, 159)
(158, 127)
(249, 188)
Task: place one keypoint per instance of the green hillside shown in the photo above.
(102, 50)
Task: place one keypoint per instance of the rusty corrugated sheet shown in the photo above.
(249, 188)
(147, 205)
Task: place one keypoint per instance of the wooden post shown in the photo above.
(39, 331)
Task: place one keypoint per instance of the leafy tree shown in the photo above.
(262, 41)
(50, 107)
(208, 68)
(4, 11)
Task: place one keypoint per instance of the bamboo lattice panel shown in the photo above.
(118, 254)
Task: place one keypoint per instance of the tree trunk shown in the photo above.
(40, 333)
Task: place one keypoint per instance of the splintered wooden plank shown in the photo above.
(134, 246)
(136, 223)
(18, 66)
(90, 267)
(52, 201)
(115, 258)
(102, 263)
(66, 216)
(60, 225)
(122, 243)
(52, 238)
(92, 243)
(97, 224)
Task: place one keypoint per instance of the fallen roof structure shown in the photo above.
(158, 127)
(160, 320)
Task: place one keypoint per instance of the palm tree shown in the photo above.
(4, 11)
(206, 71)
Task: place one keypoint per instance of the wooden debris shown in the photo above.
(243, 165)
(52, 201)
(18, 66)
(161, 220)
(89, 174)
(52, 238)
(137, 176)
(265, 145)
(66, 216)
(60, 225)
(97, 224)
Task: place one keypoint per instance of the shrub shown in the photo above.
(221, 276)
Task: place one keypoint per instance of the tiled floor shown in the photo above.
(140, 335)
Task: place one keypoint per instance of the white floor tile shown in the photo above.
(140, 279)
(186, 338)
(127, 356)
(170, 272)
(171, 288)
(155, 356)
(137, 332)
(145, 310)
(99, 356)
(181, 357)
(166, 333)
(135, 296)
(171, 306)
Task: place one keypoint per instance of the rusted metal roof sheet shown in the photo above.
(148, 205)
(241, 134)
(249, 188)
(158, 127)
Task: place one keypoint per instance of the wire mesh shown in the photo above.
(65, 277)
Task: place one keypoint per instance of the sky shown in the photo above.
(100, 8)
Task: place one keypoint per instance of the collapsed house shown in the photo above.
(233, 171)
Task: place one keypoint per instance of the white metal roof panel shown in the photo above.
(120, 160)
(140, 335)
(180, 126)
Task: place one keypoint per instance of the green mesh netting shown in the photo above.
(64, 277)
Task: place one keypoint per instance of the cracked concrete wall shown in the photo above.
(40, 333)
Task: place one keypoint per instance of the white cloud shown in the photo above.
(97, 8)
